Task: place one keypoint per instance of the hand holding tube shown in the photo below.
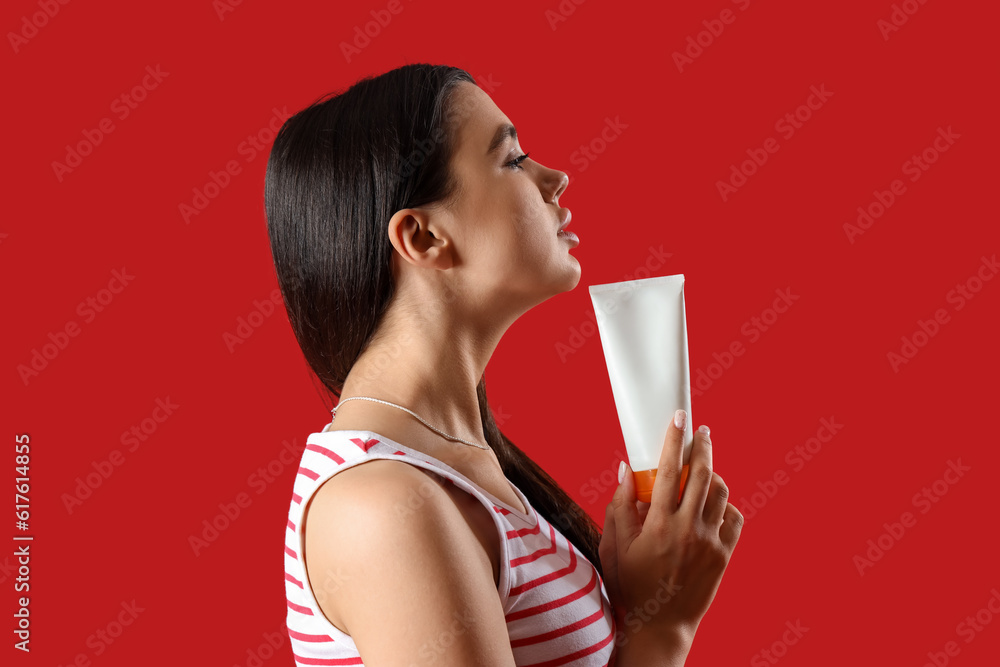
(675, 554)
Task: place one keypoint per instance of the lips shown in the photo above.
(564, 219)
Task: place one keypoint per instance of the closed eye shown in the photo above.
(516, 162)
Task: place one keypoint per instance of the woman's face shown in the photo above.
(504, 217)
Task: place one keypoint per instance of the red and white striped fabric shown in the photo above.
(554, 601)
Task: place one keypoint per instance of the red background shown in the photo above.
(654, 185)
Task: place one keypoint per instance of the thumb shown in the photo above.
(627, 523)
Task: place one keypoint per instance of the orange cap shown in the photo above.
(644, 480)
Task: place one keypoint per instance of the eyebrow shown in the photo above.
(503, 132)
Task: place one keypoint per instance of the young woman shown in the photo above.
(409, 232)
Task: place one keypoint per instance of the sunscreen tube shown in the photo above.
(643, 330)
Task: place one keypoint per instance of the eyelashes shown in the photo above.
(516, 162)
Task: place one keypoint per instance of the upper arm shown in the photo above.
(414, 586)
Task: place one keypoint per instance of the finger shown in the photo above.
(668, 473)
(643, 509)
(718, 498)
(699, 474)
(626, 516)
(732, 526)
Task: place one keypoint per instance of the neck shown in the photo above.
(430, 365)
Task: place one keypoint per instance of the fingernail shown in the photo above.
(703, 429)
(621, 472)
(680, 417)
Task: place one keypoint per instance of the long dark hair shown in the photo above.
(338, 170)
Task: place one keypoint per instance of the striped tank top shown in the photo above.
(554, 601)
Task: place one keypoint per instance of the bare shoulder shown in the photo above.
(387, 547)
(383, 491)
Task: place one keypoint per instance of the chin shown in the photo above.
(573, 276)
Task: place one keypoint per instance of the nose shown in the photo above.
(555, 183)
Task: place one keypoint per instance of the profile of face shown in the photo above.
(498, 235)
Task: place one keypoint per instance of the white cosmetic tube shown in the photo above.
(643, 330)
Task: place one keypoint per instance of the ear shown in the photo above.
(419, 241)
